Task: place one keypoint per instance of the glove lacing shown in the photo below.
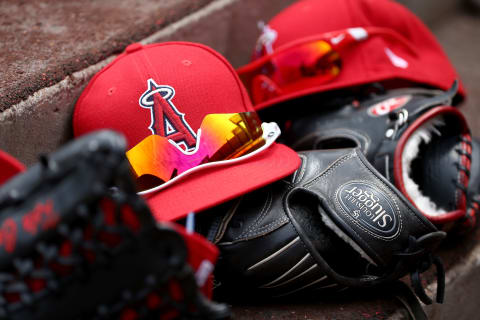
(422, 259)
(473, 209)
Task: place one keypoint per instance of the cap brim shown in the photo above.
(211, 186)
(10, 167)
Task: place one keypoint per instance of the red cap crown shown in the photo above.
(167, 89)
(162, 89)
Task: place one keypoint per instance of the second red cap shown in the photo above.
(410, 53)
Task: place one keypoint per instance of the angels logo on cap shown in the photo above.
(166, 120)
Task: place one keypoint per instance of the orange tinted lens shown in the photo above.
(221, 137)
(307, 60)
(266, 78)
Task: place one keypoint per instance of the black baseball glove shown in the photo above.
(76, 242)
(412, 136)
(335, 223)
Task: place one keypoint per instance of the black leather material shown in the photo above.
(436, 178)
(376, 130)
(285, 238)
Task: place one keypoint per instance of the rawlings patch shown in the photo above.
(387, 106)
(370, 209)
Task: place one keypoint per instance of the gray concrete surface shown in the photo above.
(432, 11)
(373, 305)
(462, 282)
(35, 117)
(43, 41)
(459, 36)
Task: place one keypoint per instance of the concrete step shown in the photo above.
(50, 49)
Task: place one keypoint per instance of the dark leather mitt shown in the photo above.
(335, 223)
(77, 242)
(412, 136)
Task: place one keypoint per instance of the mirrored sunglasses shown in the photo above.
(317, 57)
(222, 138)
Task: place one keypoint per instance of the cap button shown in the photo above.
(133, 47)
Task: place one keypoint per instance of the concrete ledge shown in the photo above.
(40, 122)
(461, 257)
(44, 41)
(431, 12)
(456, 34)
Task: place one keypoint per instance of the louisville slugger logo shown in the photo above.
(166, 120)
(370, 208)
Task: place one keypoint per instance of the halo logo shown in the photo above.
(266, 40)
(166, 120)
(370, 209)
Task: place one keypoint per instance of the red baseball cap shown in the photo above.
(402, 50)
(9, 167)
(167, 89)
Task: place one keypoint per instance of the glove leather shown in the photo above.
(381, 125)
(335, 222)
